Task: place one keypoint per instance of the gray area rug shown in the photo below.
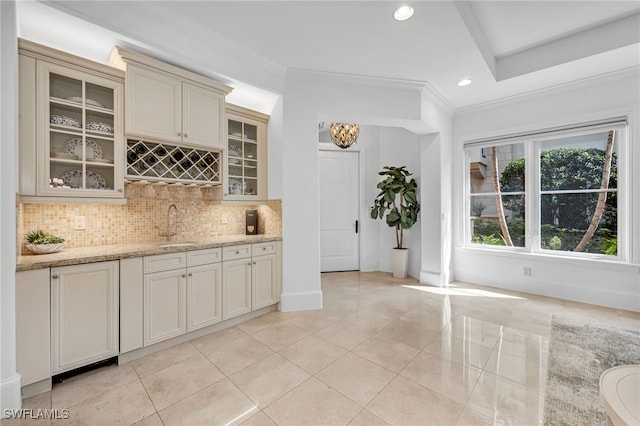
(579, 353)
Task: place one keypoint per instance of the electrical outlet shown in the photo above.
(526, 271)
(79, 223)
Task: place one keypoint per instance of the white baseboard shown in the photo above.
(10, 395)
(290, 302)
(431, 278)
(36, 388)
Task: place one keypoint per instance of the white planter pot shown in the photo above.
(399, 262)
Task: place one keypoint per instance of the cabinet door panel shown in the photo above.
(264, 281)
(236, 279)
(84, 311)
(202, 116)
(164, 305)
(33, 325)
(154, 104)
(245, 158)
(131, 304)
(78, 113)
(204, 296)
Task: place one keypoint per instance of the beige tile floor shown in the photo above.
(382, 352)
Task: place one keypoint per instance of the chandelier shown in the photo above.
(344, 134)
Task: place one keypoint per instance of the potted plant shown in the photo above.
(40, 242)
(398, 200)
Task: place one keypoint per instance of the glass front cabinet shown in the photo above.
(80, 132)
(70, 127)
(245, 158)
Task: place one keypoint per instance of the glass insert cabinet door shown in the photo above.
(244, 160)
(80, 151)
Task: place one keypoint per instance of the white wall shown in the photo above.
(436, 191)
(9, 378)
(598, 282)
(274, 158)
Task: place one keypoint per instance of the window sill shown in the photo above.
(600, 263)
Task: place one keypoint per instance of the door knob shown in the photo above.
(55, 276)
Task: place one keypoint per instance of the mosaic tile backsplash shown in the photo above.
(143, 218)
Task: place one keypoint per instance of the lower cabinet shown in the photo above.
(164, 305)
(204, 295)
(84, 314)
(251, 277)
(236, 278)
(264, 281)
(182, 293)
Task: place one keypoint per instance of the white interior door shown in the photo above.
(339, 238)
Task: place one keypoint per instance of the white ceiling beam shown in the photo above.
(602, 38)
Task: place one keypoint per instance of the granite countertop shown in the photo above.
(79, 255)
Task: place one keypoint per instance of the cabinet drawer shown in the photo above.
(263, 248)
(164, 262)
(204, 257)
(236, 252)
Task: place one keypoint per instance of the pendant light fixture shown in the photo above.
(344, 134)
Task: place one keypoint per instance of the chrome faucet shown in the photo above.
(169, 233)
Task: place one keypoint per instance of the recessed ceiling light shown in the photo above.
(403, 13)
(464, 82)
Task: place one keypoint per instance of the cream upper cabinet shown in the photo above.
(170, 104)
(245, 159)
(202, 117)
(154, 104)
(71, 126)
(84, 314)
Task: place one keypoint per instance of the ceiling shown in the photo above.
(506, 48)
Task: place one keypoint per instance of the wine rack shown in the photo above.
(170, 163)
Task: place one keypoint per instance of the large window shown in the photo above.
(554, 192)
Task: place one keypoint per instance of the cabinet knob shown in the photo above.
(178, 133)
(119, 189)
(237, 252)
(264, 248)
(186, 135)
(55, 276)
(254, 263)
(249, 263)
(190, 274)
(183, 275)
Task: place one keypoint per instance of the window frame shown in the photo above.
(532, 189)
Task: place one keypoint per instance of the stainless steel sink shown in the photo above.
(184, 244)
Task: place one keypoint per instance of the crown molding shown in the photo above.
(563, 87)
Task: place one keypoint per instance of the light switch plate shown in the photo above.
(79, 223)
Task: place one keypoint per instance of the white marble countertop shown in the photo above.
(79, 255)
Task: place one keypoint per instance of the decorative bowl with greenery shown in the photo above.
(39, 242)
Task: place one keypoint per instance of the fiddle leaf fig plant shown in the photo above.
(397, 199)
